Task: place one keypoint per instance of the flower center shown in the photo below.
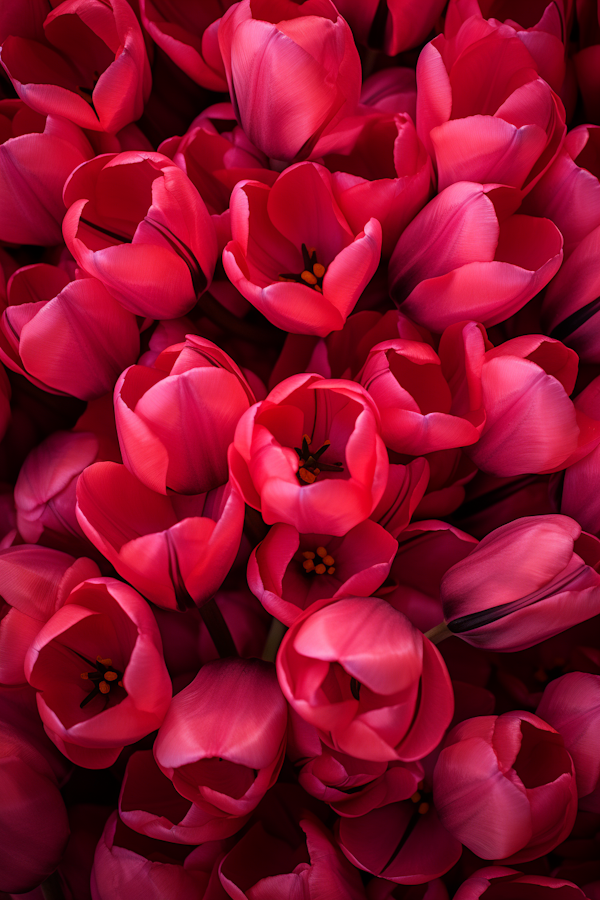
(309, 465)
(420, 799)
(312, 274)
(104, 677)
(319, 562)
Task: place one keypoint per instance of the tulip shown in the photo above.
(310, 455)
(373, 686)
(188, 35)
(483, 111)
(45, 332)
(578, 495)
(313, 867)
(214, 159)
(166, 412)
(523, 583)
(531, 424)
(388, 175)
(571, 704)
(299, 263)
(45, 489)
(462, 258)
(505, 786)
(37, 155)
(150, 805)
(175, 550)
(225, 764)
(160, 870)
(98, 666)
(288, 571)
(137, 223)
(499, 878)
(402, 842)
(90, 66)
(293, 73)
(34, 583)
(33, 818)
(569, 192)
(403, 492)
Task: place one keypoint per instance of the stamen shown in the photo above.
(309, 464)
(103, 678)
(311, 275)
(104, 687)
(318, 562)
(423, 808)
(416, 797)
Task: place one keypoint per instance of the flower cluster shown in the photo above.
(300, 449)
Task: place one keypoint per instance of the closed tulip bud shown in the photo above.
(523, 583)
(505, 786)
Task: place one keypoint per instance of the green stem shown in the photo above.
(217, 629)
(439, 633)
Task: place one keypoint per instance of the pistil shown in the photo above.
(312, 274)
(309, 465)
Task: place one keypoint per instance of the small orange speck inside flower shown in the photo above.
(423, 808)
(416, 797)
(311, 275)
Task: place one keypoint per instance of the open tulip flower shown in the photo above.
(294, 256)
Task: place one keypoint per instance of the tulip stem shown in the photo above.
(274, 638)
(217, 629)
(439, 633)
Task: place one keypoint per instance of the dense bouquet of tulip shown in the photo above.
(300, 449)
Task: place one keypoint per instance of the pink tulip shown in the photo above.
(293, 73)
(388, 175)
(225, 764)
(98, 666)
(312, 868)
(415, 401)
(175, 550)
(160, 870)
(505, 787)
(398, 27)
(523, 583)
(5, 394)
(310, 455)
(391, 90)
(357, 670)
(483, 111)
(37, 155)
(33, 818)
(45, 332)
(493, 879)
(300, 264)
(402, 842)
(462, 258)
(45, 489)
(90, 66)
(541, 28)
(150, 805)
(569, 191)
(571, 704)
(288, 571)
(137, 223)
(34, 584)
(531, 424)
(188, 35)
(214, 159)
(177, 418)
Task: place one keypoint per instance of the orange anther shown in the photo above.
(308, 277)
(321, 551)
(111, 676)
(84, 675)
(423, 808)
(320, 569)
(308, 565)
(416, 797)
(330, 570)
(307, 438)
(104, 687)
(306, 476)
(308, 554)
(319, 270)
(328, 560)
